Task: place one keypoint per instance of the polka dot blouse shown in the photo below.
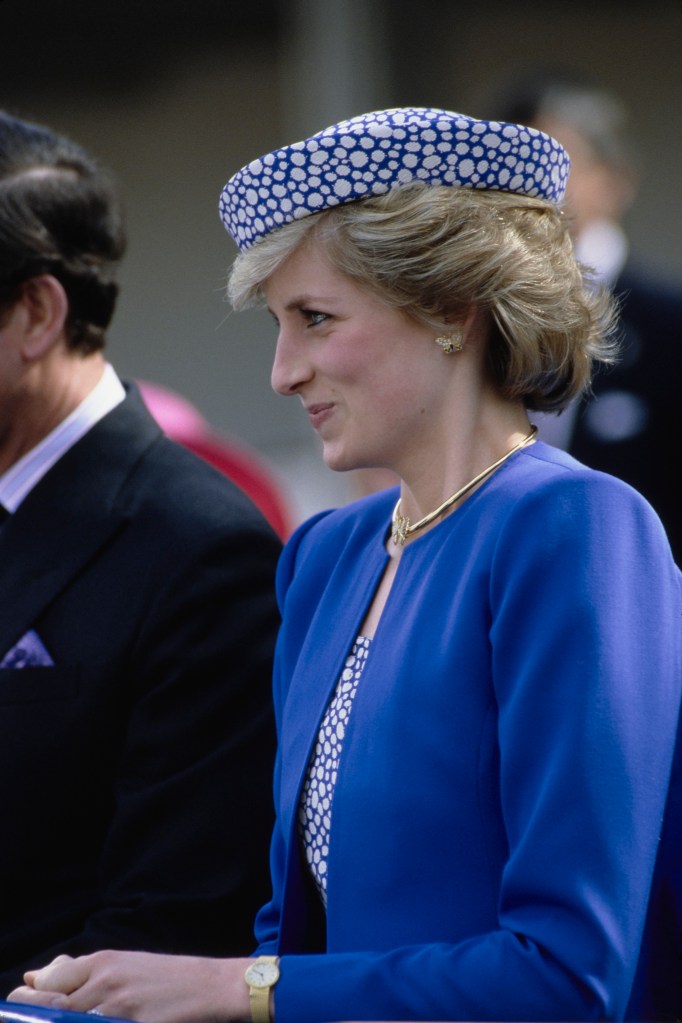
(314, 815)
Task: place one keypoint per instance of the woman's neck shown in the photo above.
(448, 467)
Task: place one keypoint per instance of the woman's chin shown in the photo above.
(338, 459)
(338, 464)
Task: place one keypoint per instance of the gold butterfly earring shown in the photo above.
(451, 342)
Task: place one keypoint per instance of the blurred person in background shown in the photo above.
(478, 674)
(627, 424)
(137, 619)
(183, 422)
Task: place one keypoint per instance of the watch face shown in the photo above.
(261, 974)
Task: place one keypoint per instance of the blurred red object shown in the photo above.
(184, 423)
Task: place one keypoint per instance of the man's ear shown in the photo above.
(45, 309)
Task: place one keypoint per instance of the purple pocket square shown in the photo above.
(29, 652)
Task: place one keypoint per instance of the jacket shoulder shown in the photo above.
(317, 545)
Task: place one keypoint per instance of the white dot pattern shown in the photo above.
(388, 149)
(315, 809)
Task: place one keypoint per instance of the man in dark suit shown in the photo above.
(628, 425)
(137, 616)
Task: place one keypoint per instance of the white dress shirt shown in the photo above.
(21, 478)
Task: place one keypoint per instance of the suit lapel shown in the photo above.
(69, 515)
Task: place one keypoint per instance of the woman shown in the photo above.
(478, 674)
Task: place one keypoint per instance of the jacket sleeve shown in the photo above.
(585, 641)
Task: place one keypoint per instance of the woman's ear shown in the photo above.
(470, 320)
(465, 321)
(45, 309)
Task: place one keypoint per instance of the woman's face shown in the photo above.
(370, 378)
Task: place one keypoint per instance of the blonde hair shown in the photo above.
(434, 251)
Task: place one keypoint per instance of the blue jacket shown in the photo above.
(498, 807)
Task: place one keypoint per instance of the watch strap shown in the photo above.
(259, 994)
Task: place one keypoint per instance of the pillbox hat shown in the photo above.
(387, 149)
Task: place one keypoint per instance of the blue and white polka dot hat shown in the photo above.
(387, 149)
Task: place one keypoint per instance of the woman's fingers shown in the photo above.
(142, 986)
(64, 974)
(29, 996)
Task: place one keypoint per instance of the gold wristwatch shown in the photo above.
(261, 976)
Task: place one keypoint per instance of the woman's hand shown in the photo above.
(142, 986)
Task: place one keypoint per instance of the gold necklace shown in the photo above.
(401, 527)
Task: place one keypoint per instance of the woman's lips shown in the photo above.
(319, 413)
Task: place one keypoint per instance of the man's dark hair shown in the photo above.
(59, 215)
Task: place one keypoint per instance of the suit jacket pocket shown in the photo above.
(39, 684)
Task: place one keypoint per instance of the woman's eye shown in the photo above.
(314, 317)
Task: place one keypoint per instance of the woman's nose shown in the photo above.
(290, 367)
